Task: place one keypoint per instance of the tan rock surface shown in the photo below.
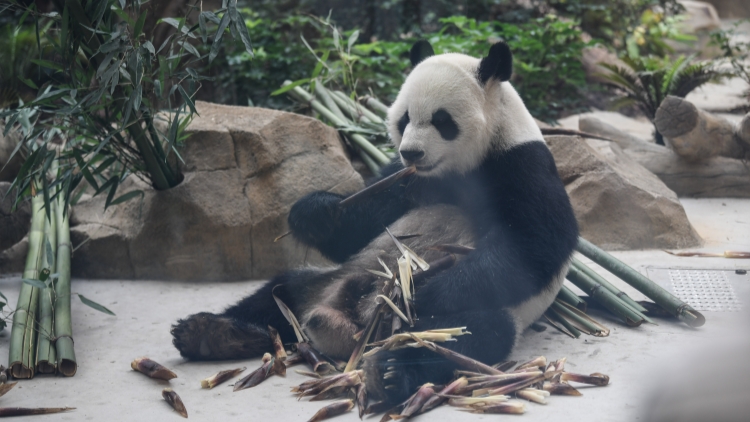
(244, 168)
(619, 204)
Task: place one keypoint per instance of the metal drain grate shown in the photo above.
(705, 290)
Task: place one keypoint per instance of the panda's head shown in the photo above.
(453, 110)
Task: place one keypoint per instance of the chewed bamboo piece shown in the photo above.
(26, 411)
(593, 379)
(319, 364)
(725, 254)
(175, 401)
(152, 369)
(278, 346)
(221, 377)
(270, 366)
(4, 388)
(378, 186)
(333, 409)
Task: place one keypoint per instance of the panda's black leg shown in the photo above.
(241, 331)
(394, 376)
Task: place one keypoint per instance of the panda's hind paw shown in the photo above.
(393, 376)
(206, 336)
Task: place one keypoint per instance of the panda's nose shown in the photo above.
(412, 155)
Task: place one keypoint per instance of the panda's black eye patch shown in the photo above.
(402, 122)
(444, 123)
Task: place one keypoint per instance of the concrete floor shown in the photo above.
(105, 388)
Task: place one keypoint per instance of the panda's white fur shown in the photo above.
(490, 184)
(492, 116)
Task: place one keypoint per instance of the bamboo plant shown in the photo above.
(45, 355)
(66, 357)
(22, 354)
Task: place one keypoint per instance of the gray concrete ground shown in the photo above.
(105, 388)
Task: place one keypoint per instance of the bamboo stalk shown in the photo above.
(567, 296)
(573, 331)
(45, 352)
(352, 110)
(376, 105)
(607, 285)
(66, 357)
(22, 354)
(358, 139)
(325, 97)
(604, 296)
(579, 321)
(653, 291)
(374, 118)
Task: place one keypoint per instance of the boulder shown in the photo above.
(244, 168)
(700, 17)
(716, 177)
(14, 225)
(619, 204)
(732, 9)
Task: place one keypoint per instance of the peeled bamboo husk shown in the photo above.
(45, 354)
(653, 291)
(66, 357)
(22, 354)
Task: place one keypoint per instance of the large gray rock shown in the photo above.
(244, 168)
(716, 177)
(618, 204)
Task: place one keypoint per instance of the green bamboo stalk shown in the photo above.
(376, 105)
(325, 97)
(614, 290)
(607, 285)
(356, 115)
(66, 357)
(45, 351)
(304, 97)
(561, 319)
(653, 291)
(604, 296)
(567, 296)
(374, 118)
(578, 321)
(22, 354)
(369, 162)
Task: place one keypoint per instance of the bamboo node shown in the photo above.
(54, 339)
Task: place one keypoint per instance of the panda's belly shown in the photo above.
(532, 309)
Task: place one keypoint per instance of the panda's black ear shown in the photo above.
(420, 51)
(498, 64)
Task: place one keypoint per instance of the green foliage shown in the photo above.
(737, 53)
(632, 27)
(547, 70)
(647, 81)
(107, 84)
(278, 55)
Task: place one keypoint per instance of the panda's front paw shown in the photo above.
(391, 376)
(313, 218)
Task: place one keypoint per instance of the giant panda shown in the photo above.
(484, 178)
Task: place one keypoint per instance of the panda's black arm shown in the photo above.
(340, 232)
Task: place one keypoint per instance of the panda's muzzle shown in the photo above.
(412, 156)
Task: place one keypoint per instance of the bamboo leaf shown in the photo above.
(139, 24)
(126, 197)
(241, 27)
(35, 283)
(188, 100)
(352, 39)
(88, 302)
(50, 253)
(216, 45)
(290, 86)
(112, 191)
